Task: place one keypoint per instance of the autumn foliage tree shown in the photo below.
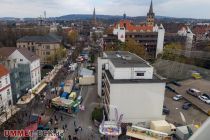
(132, 46)
(72, 37)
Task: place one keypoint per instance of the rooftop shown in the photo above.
(3, 70)
(123, 59)
(155, 79)
(41, 39)
(7, 51)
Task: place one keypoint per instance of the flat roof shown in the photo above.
(155, 79)
(125, 59)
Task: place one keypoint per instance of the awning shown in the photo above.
(40, 88)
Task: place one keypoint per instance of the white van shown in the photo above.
(194, 92)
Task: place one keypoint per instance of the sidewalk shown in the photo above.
(5, 116)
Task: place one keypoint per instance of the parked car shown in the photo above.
(166, 111)
(206, 95)
(186, 105)
(177, 97)
(196, 75)
(204, 99)
(169, 88)
(176, 83)
(194, 92)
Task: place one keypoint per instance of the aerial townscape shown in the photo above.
(102, 76)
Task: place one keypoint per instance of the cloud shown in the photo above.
(35, 8)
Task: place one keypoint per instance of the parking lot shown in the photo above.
(201, 84)
(192, 115)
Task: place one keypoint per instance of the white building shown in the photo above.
(127, 82)
(120, 32)
(5, 90)
(23, 56)
(153, 40)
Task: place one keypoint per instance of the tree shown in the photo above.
(72, 37)
(134, 47)
(170, 49)
(97, 114)
(115, 46)
(57, 56)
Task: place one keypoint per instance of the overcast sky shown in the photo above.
(172, 8)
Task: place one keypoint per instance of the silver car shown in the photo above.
(204, 99)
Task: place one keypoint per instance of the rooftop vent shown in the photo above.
(118, 55)
(126, 57)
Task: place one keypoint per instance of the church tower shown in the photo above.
(151, 16)
(94, 17)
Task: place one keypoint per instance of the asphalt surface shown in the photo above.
(201, 84)
(192, 115)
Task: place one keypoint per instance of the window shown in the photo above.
(33, 49)
(10, 102)
(47, 47)
(6, 80)
(47, 53)
(21, 60)
(0, 84)
(8, 92)
(0, 97)
(140, 74)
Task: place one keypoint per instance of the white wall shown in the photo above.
(130, 73)
(160, 41)
(137, 102)
(35, 72)
(5, 97)
(99, 72)
(120, 32)
(18, 56)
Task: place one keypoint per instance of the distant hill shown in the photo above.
(114, 18)
(136, 19)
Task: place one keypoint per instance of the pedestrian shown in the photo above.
(66, 126)
(69, 137)
(75, 124)
(75, 138)
(51, 120)
(80, 128)
(76, 130)
(61, 118)
(55, 117)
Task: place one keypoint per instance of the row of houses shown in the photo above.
(20, 67)
(19, 72)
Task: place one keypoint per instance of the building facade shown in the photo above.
(42, 46)
(24, 68)
(127, 82)
(149, 35)
(5, 90)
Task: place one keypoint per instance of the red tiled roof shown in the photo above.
(200, 29)
(131, 27)
(3, 70)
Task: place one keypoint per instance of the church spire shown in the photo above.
(124, 16)
(94, 16)
(151, 7)
(151, 15)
